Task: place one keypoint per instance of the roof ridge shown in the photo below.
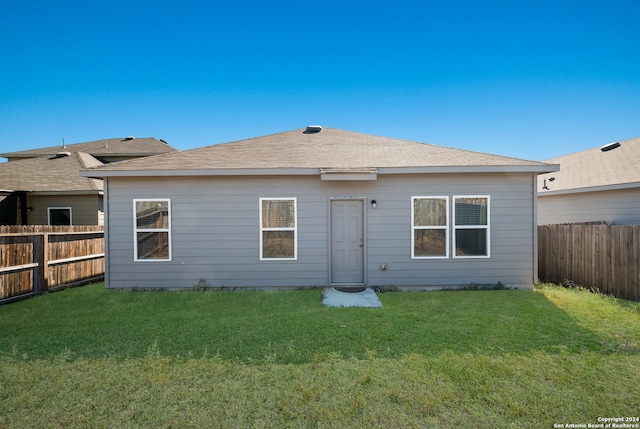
(83, 160)
(145, 142)
(431, 144)
(246, 139)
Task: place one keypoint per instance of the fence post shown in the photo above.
(45, 261)
(40, 257)
(37, 257)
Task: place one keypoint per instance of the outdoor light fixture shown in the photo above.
(545, 187)
(373, 203)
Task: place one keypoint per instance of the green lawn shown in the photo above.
(91, 357)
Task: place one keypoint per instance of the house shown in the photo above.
(44, 187)
(598, 184)
(106, 150)
(50, 191)
(320, 206)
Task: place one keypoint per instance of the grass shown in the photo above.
(102, 358)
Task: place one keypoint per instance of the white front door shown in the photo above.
(347, 241)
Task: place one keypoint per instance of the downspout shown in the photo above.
(22, 198)
(535, 228)
(105, 208)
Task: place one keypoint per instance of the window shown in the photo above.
(152, 224)
(278, 229)
(471, 226)
(429, 226)
(59, 215)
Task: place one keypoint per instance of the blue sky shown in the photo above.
(532, 80)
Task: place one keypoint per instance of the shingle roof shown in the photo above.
(594, 168)
(106, 147)
(328, 149)
(50, 174)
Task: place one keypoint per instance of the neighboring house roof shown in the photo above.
(128, 146)
(330, 150)
(595, 169)
(57, 174)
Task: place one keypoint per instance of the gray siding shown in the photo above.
(620, 207)
(215, 231)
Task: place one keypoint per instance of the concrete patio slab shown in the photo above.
(331, 297)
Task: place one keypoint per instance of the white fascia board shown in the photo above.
(472, 169)
(92, 192)
(203, 172)
(98, 173)
(590, 189)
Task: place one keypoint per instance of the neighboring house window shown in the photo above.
(278, 229)
(429, 226)
(152, 224)
(471, 226)
(59, 215)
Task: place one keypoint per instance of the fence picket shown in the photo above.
(35, 259)
(599, 256)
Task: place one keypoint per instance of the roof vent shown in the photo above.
(62, 154)
(312, 129)
(610, 146)
(129, 138)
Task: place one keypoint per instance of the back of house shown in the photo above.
(319, 206)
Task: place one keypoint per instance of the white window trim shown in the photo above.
(136, 230)
(414, 227)
(60, 208)
(294, 229)
(455, 227)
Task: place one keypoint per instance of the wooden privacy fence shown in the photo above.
(600, 256)
(35, 259)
